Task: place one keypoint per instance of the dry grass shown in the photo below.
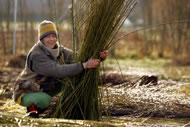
(161, 100)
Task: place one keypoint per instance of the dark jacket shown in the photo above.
(41, 70)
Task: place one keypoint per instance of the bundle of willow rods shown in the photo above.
(80, 96)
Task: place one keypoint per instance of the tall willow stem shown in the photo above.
(75, 40)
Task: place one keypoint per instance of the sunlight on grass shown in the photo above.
(137, 67)
(185, 89)
(2, 91)
(146, 66)
(12, 107)
(145, 62)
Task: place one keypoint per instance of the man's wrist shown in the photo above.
(84, 65)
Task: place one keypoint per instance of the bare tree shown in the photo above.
(174, 35)
(147, 17)
(51, 10)
(8, 25)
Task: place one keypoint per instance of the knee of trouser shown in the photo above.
(43, 101)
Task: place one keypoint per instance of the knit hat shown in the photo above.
(45, 28)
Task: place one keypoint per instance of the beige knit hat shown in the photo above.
(45, 28)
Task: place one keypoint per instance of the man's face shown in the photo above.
(50, 40)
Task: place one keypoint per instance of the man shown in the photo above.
(37, 83)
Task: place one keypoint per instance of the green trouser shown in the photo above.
(39, 99)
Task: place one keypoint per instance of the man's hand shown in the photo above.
(94, 63)
(91, 63)
(104, 54)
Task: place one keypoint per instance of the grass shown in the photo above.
(163, 67)
(170, 95)
(143, 62)
(185, 89)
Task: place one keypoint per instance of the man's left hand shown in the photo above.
(104, 54)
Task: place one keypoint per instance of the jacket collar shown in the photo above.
(50, 52)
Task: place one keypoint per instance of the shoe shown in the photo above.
(32, 111)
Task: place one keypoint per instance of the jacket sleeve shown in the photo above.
(43, 65)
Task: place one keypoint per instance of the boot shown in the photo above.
(32, 111)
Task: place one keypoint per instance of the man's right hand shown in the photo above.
(91, 63)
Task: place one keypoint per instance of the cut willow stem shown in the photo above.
(80, 97)
(74, 31)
